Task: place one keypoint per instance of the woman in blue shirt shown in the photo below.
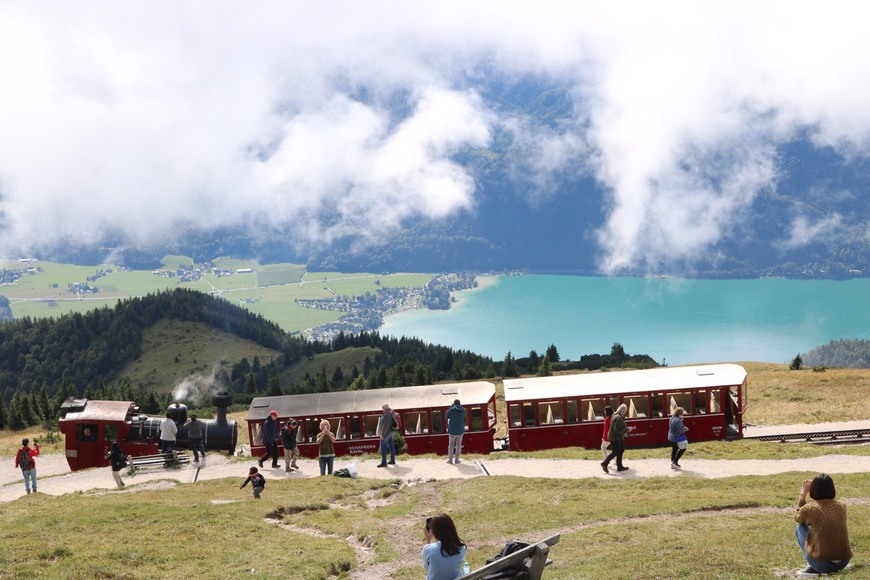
(444, 551)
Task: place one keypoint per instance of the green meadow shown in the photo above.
(270, 290)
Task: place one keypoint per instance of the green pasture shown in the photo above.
(674, 527)
(270, 290)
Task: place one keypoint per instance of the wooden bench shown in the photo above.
(534, 557)
(159, 459)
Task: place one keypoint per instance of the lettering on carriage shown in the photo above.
(361, 448)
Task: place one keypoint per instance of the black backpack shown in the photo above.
(25, 462)
(518, 570)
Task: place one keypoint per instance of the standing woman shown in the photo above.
(118, 461)
(444, 550)
(605, 435)
(326, 441)
(822, 532)
(677, 437)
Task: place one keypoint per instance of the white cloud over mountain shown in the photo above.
(135, 118)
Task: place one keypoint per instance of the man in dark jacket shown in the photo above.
(617, 434)
(455, 430)
(270, 439)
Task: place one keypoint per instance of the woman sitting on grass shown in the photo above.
(822, 533)
(443, 558)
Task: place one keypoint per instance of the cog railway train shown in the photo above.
(542, 413)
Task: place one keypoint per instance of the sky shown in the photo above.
(139, 119)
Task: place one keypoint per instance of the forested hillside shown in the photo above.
(846, 354)
(44, 361)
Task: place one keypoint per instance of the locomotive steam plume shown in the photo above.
(195, 388)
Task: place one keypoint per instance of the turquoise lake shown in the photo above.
(675, 321)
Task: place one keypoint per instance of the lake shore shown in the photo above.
(485, 281)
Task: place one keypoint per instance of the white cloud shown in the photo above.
(804, 232)
(137, 117)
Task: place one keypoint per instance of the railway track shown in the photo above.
(846, 437)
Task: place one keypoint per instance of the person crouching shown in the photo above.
(257, 481)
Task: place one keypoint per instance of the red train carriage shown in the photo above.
(353, 416)
(568, 410)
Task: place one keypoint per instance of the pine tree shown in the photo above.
(552, 353)
(274, 384)
(544, 369)
(509, 367)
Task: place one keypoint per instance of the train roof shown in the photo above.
(86, 410)
(370, 401)
(616, 382)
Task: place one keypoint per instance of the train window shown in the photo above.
(87, 432)
(110, 432)
(638, 406)
(516, 416)
(437, 421)
(313, 428)
(683, 400)
(338, 426)
(700, 402)
(551, 412)
(657, 404)
(476, 419)
(528, 414)
(593, 409)
(416, 422)
(715, 406)
(353, 427)
(257, 434)
(370, 425)
(573, 415)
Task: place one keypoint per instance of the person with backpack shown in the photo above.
(455, 431)
(24, 460)
(118, 461)
(386, 424)
(288, 441)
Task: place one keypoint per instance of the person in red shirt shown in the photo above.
(24, 460)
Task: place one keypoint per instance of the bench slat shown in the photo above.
(537, 552)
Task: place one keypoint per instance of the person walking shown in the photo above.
(117, 461)
(677, 436)
(455, 431)
(24, 460)
(605, 434)
(270, 439)
(617, 434)
(195, 433)
(385, 432)
(443, 551)
(326, 447)
(168, 432)
(288, 441)
(822, 532)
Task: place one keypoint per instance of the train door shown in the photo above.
(733, 406)
(90, 445)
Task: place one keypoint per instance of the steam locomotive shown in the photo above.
(91, 426)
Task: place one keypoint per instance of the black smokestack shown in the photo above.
(222, 400)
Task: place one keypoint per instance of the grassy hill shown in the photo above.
(176, 349)
(663, 527)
